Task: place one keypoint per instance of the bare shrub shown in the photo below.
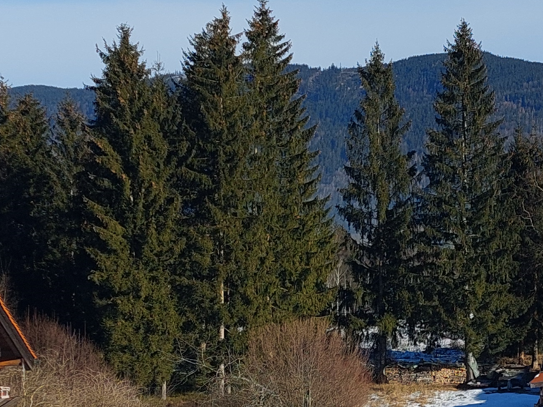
(298, 364)
(70, 372)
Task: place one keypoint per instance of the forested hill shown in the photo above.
(333, 94)
(50, 96)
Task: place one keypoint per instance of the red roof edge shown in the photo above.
(17, 328)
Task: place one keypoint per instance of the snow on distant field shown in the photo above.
(452, 398)
(474, 397)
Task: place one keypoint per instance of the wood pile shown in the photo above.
(434, 374)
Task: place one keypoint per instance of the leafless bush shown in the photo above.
(298, 365)
(70, 372)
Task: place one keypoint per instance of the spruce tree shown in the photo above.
(464, 210)
(299, 236)
(214, 107)
(376, 202)
(526, 155)
(265, 58)
(132, 216)
(72, 301)
(28, 201)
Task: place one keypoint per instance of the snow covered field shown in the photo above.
(479, 397)
(451, 398)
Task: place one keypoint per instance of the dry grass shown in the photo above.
(399, 395)
(70, 372)
(183, 400)
(174, 401)
(297, 364)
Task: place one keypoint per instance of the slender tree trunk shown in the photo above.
(381, 344)
(222, 373)
(164, 388)
(308, 402)
(535, 355)
(472, 370)
(381, 341)
(380, 359)
(535, 349)
(469, 372)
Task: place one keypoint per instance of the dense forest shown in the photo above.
(169, 217)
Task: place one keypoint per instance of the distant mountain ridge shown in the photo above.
(51, 96)
(332, 95)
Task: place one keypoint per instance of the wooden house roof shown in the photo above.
(14, 347)
(537, 381)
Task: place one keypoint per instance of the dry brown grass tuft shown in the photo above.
(185, 400)
(70, 372)
(298, 364)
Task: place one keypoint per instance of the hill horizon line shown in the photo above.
(332, 65)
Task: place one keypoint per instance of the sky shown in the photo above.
(53, 42)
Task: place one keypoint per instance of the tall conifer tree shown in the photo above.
(299, 231)
(464, 208)
(214, 103)
(377, 202)
(265, 57)
(28, 200)
(132, 216)
(526, 154)
(72, 302)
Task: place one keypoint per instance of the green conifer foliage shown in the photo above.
(132, 216)
(526, 155)
(305, 245)
(465, 211)
(298, 230)
(28, 199)
(4, 101)
(377, 202)
(214, 106)
(72, 301)
(266, 58)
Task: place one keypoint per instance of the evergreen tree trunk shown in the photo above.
(535, 355)
(380, 359)
(164, 393)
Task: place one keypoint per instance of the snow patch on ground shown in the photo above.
(458, 398)
(476, 397)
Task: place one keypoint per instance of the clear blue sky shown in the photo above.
(53, 42)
